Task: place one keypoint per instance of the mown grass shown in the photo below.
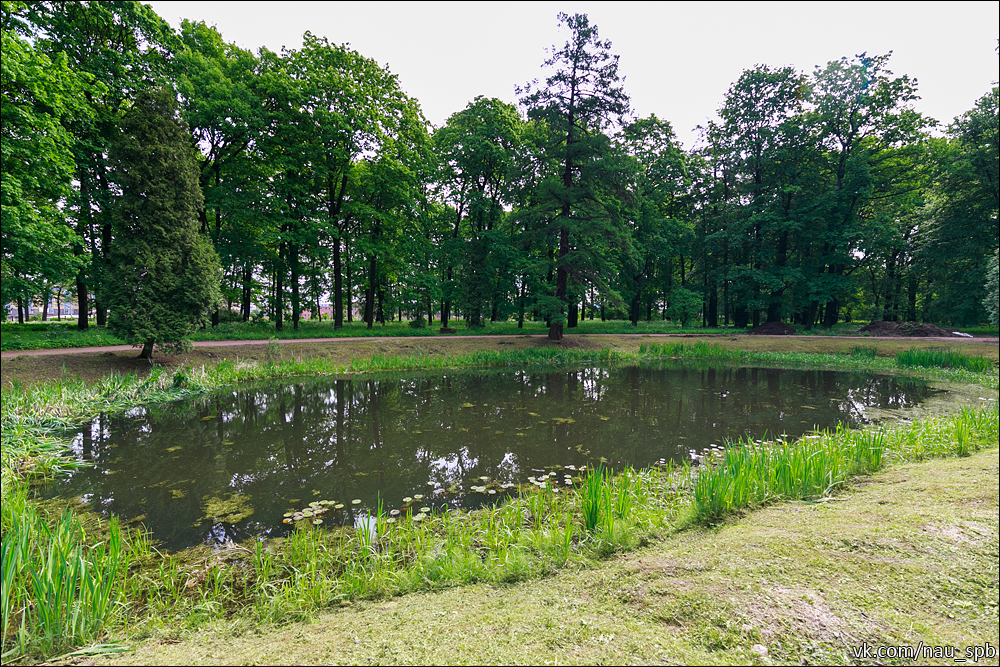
(64, 334)
(50, 335)
(58, 569)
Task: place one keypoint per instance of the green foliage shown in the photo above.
(164, 279)
(943, 359)
(961, 230)
(864, 352)
(992, 300)
(684, 305)
(577, 204)
(40, 94)
(750, 473)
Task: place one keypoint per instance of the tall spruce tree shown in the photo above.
(164, 279)
(578, 204)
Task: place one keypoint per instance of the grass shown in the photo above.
(942, 359)
(64, 334)
(751, 473)
(61, 569)
(903, 556)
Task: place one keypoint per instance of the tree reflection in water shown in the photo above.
(227, 466)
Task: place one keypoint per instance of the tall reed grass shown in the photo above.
(751, 472)
(57, 590)
(932, 358)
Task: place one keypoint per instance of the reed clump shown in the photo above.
(934, 358)
(751, 472)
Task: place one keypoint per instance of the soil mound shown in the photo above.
(773, 329)
(904, 330)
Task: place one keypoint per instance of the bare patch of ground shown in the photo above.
(905, 330)
(772, 329)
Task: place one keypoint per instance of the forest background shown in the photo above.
(812, 198)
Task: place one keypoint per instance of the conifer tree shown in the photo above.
(577, 201)
(164, 279)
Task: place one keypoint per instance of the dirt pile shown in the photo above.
(773, 329)
(905, 330)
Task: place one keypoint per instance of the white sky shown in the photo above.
(679, 58)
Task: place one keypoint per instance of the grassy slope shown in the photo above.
(906, 555)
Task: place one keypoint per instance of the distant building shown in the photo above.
(64, 310)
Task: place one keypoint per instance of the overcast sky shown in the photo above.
(678, 58)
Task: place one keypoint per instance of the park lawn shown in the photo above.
(903, 556)
(63, 334)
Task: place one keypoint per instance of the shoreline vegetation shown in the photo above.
(71, 579)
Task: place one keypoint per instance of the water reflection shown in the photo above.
(228, 466)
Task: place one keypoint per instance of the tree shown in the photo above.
(684, 305)
(124, 45)
(963, 229)
(864, 119)
(577, 200)
(218, 85)
(659, 191)
(475, 151)
(164, 278)
(992, 300)
(39, 93)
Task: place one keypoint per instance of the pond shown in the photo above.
(230, 465)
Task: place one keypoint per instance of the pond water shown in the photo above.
(229, 465)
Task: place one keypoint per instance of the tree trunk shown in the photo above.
(911, 303)
(520, 306)
(832, 310)
(294, 256)
(147, 350)
(562, 279)
(247, 289)
(370, 293)
(338, 288)
(347, 282)
(279, 288)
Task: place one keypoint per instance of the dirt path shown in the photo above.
(332, 340)
(903, 557)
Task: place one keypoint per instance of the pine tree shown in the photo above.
(164, 278)
(577, 205)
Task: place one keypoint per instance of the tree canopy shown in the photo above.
(319, 189)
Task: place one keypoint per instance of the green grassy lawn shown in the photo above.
(55, 334)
